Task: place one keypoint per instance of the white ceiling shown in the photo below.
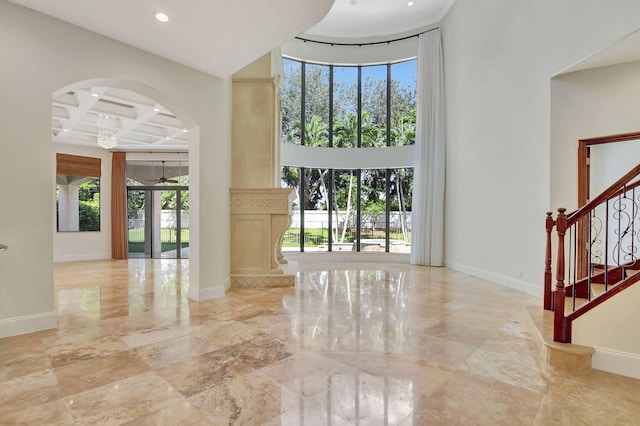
(359, 19)
(214, 36)
(626, 49)
(218, 37)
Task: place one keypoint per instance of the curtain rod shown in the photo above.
(365, 44)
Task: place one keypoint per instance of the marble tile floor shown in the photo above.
(351, 344)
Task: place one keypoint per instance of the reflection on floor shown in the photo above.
(169, 254)
(351, 344)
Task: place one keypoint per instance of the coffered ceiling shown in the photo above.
(138, 123)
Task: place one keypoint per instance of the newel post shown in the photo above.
(548, 295)
(559, 329)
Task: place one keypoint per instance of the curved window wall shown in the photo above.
(348, 135)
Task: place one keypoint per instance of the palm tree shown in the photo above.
(345, 131)
(403, 128)
(316, 132)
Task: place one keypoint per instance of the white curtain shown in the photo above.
(427, 220)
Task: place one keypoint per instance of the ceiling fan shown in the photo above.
(163, 179)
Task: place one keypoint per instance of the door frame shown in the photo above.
(150, 189)
(584, 185)
(584, 157)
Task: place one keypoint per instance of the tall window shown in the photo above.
(369, 107)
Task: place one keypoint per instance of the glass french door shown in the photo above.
(158, 222)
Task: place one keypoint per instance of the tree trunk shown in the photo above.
(348, 212)
(403, 219)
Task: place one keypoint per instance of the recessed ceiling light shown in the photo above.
(410, 4)
(65, 130)
(161, 16)
(185, 131)
(156, 110)
(95, 95)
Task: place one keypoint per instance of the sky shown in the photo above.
(405, 72)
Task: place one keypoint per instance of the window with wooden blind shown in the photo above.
(77, 193)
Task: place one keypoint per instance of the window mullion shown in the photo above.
(330, 173)
(302, 206)
(303, 90)
(359, 141)
(387, 180)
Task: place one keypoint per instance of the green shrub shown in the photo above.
(89, 216)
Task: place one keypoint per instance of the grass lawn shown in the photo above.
(314, 237)
(167, 238)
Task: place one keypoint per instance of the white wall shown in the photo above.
(585, 104)
(42, 55)
(499, 58)
(609, 162)
(611, 328)
(347, 158)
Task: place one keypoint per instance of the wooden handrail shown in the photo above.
(610, 192)
(626, 188)
(604, 296)
(563, 223)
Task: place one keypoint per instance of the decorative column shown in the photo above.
(260, 209)
(68, 207)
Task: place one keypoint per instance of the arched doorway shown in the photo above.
(150, 129)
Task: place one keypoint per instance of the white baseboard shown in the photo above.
(27, 324)
(79, 257)
(535, 290)
(612, 361)
(208, 293)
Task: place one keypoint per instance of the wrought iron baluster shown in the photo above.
(619, 226)
(573, 231)
(634, 211)
(606, 245)
(590, 254)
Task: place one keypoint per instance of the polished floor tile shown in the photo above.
(123, 400)
(350, 344)
(469, 399)
(250, 399)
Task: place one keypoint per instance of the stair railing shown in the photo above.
(598, 243)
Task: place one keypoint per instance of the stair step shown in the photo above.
(562, 356)
(568, 304)
(597, 289)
